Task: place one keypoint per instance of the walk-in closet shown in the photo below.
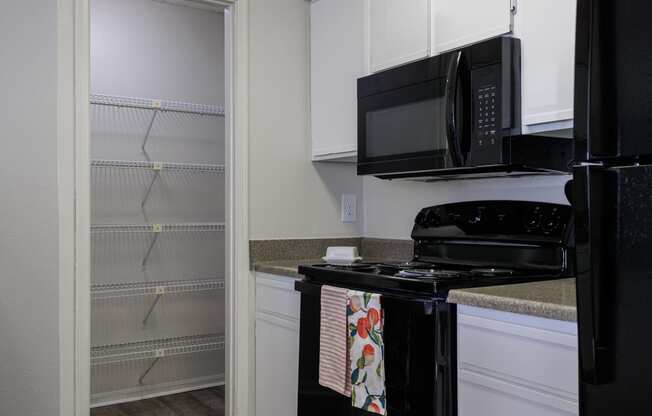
(157, 204)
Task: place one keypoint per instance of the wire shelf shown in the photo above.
(180, 167)
(121, 290)
(111, 354)
(159, 228)
(153, 104)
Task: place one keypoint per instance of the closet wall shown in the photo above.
(157, 182)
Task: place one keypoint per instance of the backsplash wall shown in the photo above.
(390, 206)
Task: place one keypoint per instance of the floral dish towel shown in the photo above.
(366, 351)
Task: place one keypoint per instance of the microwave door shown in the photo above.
(404, 129)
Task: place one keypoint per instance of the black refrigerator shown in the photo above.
(613, 205)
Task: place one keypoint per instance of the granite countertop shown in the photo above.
(283, 267)
(554, 299)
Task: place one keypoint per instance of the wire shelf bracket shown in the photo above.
(151, 308)
(156, 229)
(149, 130)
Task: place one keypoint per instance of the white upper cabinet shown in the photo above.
(353, 38)
(547, 32)
(457, 23)
(337, 60)
(398, 32)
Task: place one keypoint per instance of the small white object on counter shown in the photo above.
(342, 255)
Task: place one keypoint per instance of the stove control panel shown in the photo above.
(495, 220)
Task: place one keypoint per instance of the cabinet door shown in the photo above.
(547, 32)
(277, 345)
(511, 364)
(337, 58)
(399, 32)
(462, 22)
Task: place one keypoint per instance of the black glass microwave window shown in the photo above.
(405, 121)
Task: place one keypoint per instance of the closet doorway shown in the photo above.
(159, 198)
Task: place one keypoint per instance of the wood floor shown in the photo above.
(208, 402)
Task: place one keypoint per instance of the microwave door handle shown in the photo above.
(593, 317)
(452, 131)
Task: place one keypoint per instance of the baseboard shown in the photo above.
(157, 390)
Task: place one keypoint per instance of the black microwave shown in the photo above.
(458, 113)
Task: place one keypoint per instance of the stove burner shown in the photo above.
(431, 273)
(491, 272)
(358, 267)
(416, 265)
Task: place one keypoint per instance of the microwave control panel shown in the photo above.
(486, 139)
(485, 103)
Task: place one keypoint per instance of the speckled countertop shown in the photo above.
(554, 299)
(283, 257)
(283, 267)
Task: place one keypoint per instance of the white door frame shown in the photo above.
(73, 144)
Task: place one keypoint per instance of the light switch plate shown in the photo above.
(349, 212)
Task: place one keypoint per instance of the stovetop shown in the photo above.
(419, 277)
(469, 244)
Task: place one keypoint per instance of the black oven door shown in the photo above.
(415, 117)
(419, 338)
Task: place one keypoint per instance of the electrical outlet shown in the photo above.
(349, 208)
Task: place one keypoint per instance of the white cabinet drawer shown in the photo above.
(275, 295)
(535, 353)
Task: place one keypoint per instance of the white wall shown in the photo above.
(390, 206)
(150, 49)
(29, 279)
(290, 197)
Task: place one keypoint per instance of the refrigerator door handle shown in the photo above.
(592, 227)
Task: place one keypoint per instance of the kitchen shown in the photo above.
(296, 173)
(389, 211)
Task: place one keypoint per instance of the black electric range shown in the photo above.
(468, 244)
(460, 245)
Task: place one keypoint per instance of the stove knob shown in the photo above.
(421, 219)
(533, 220)
(550, 225)
(476, 218)
(432, 219)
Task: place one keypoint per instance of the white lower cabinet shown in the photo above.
(515, 365)
(277, 345)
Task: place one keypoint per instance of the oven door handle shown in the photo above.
(452, 121)
(424, 306)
